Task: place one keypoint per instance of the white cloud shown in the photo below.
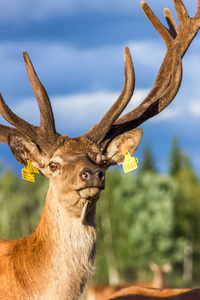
(168, 114)
(148, 52)
(194, 108)
(182, 109)
(25, 11)
(53, 59)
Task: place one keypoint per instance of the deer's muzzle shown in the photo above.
(93, 178)
(90, 182)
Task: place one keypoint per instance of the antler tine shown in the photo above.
(5, 132)
(173, 29)
(181, 13)
(198, 7)
(47, 125)
(161, 29)
(14, 120)
(21, 126)
(188, 27)
(197, 16)
(98, 132)
(43, 135)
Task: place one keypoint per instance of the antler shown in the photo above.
(46, 134)
(168, 79)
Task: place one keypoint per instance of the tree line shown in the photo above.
(142, 218)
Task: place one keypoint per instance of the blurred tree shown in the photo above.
(188, 210)
(21, 204)
(142, 213)
(188, 214)
(106, 258)
(147, 161)
(178, 159)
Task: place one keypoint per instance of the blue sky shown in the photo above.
(77, 50)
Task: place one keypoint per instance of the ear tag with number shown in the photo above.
(130, 162)
(28, 172)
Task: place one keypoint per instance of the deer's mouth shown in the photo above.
(90, 193)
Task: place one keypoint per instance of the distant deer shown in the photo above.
(101, 291)
(55, 261)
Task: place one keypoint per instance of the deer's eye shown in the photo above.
(104, 163)
(53, 166)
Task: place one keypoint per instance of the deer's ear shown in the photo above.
(23, 149)
(128, 141)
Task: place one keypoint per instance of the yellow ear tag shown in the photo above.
(28, 172)
(130, 162)
(27, 175)
(31, 167)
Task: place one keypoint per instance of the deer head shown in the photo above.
(75, 166)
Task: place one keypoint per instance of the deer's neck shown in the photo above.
(158, 279)
(60, 253)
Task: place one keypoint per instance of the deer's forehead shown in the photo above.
(72, 147)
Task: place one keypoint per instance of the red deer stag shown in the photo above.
(55, 261)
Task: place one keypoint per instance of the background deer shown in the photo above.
(101, 291)
(55, 261)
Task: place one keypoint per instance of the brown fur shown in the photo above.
(52, 263)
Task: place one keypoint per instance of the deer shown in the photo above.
(56, 260)
(101, 291)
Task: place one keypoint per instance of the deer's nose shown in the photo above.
(97, 176)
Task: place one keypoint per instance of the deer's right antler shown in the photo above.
(168, 79)
(45, 136)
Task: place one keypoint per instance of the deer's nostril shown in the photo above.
(89, 176)
(84, 175)
(101, 175)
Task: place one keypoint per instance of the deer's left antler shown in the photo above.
(167, 82)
